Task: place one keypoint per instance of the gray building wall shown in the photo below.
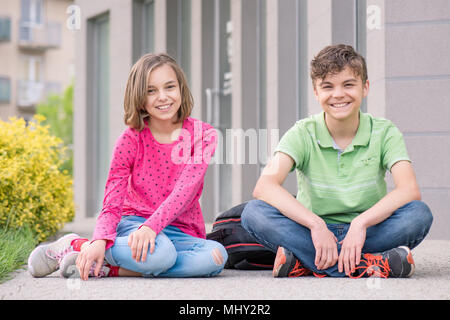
(408, 62)
(417, 93)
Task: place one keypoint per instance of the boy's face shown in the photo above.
(341, 94)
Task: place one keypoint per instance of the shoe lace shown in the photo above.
(298, 270)
(102, 273)
(375, 265)
(319, 275)
(57, 255)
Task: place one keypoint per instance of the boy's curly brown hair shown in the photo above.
(334, 58)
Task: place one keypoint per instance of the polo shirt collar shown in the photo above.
(362, 137)
(323, 136)
(363, 134)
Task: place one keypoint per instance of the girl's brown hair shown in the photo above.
(136, 90)
(333, 59)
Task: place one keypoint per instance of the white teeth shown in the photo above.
(339, 105)
(163, 107)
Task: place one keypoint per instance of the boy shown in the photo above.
(343, 221)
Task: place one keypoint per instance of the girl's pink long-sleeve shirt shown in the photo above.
(161, 182)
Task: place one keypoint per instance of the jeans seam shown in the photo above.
(109, 257)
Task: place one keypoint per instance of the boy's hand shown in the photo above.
(94, 252)
(139, 241)
(352, 245)
(326, 248)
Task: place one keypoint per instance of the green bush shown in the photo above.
(34, 191)
(58, 112)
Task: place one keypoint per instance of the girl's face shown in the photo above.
(163, 94)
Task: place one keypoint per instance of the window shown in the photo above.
(5, 29)
(303, 63)
(5, 90)
(262, 80)
(32, 11)
(30, 85)
(179, 33)
(31, 17)
(98, 151)
(31, 68)
(184, 42)
(349, 26)
(143, 28)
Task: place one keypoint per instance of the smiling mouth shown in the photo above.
(340, 105)
(164, 107)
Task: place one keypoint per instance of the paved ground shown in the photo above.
(430, 281)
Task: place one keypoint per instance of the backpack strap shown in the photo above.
(219, 235)
(245, 265)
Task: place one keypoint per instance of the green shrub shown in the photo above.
(34, 191)
(58, 112)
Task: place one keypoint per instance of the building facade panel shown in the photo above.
(407, 99)
(439, 201)
(404, 11)
(417, 81)
(432, 169)
(409, 78)
(416, 50)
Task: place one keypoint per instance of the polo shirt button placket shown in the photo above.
(341, 169)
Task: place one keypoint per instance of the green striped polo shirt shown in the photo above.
(338, 184)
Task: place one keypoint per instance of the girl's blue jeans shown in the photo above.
(176, 253)
(407, 226)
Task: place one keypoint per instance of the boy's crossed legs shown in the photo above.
(407, 226)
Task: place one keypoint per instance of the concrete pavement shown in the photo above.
(430, 281)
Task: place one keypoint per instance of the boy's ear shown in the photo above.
(316, 94)
(366, 88)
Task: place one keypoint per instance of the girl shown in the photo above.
(151, 223)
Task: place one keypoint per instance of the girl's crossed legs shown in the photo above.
(176, 253)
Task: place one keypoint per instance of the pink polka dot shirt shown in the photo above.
(161, 182)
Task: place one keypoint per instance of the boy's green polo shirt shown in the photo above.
(340, 184)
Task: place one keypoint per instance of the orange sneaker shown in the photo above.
(396, 263)
(287, 265)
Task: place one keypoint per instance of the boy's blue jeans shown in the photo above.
(407, 226)
(176, 253)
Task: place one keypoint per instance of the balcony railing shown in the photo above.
(30, 93)
(39, 36)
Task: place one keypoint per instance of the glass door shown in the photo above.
(217, 97)
(98, 148)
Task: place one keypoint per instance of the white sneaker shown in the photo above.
(45, 258)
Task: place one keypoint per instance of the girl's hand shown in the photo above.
(325, 244)
(139, 241)
(94, 252)
(352, 245)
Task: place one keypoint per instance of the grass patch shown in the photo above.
(15, 247)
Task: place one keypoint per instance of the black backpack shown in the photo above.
(244, 251)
